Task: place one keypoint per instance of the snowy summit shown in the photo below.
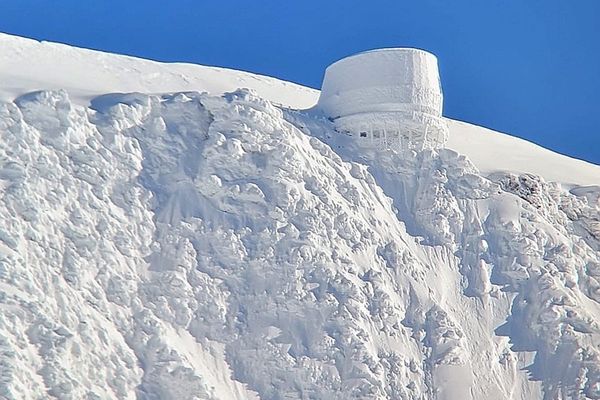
(171, 231)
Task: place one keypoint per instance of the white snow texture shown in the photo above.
(212, 244)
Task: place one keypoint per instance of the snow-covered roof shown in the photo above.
(393, 79)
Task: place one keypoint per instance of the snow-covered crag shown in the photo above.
(215, 246)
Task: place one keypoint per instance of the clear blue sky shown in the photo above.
(528, 67)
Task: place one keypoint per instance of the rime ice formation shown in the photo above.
(387, 98)
(216, 246)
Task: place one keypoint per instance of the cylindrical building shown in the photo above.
(386, 97)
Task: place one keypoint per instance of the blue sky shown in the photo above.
(528, 67)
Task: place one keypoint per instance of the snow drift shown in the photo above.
(196, 245)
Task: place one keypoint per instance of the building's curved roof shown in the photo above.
(388, 79)
(384, 50)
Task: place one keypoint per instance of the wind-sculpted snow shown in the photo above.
(519, 241)
(195, 247)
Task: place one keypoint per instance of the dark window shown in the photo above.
(363, 134)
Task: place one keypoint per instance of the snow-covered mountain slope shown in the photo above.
(494, 152)
(216, 246)
(27, 65)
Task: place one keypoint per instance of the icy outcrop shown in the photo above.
(386, 98)
(196, 246)
(189, 246)
(525, 248)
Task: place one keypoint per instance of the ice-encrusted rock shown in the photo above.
(190, 246)
(512, 235)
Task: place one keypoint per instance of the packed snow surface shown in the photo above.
(495, 152)
(194, 245)
(27, 65)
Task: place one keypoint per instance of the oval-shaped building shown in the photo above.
(387, 98)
